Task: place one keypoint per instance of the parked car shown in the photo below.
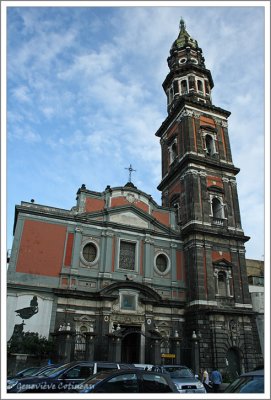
(64, 378)
(183, 378)
(47, 370)
(250, 382)
(129, 381)
(25, 372)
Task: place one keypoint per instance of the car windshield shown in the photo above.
(47, 372)
(57, 370)
(27, 372)
(178, 372)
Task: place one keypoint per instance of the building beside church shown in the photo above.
(134, 281)
(255, 272)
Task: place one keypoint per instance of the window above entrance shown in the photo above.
(127, 255)
(128, 300)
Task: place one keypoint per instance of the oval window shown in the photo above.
(90, 252)
(182, 60)
(193, 60)
(161, 262)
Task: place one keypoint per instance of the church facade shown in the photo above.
(135, 281)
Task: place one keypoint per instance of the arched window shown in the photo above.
(173, 151)
(223, 279)
(175, 204)
(200, 86)
(184, 86)
(222, 284)
(209, 140)
(206, 84)
(170, 95)
(210, 146)
(217, 208)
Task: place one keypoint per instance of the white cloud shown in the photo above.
(25, 133)
(22, 94)
(85, 91)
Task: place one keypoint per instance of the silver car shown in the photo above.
(183, 378)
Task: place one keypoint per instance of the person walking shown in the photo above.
(205, 379)
(216, 379)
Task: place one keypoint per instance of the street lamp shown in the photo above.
(196, 337)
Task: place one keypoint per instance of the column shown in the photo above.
(195, 353)
(65, 343)
(176, 346)
(90, 338)
(77, 247)
(156, 343)
(118, 350)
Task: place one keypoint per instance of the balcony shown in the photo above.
(219, 221)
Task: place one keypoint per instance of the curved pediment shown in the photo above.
(222, 262)
(145, 290)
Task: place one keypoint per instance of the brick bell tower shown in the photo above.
(198, 180)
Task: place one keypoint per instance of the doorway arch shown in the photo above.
(234, 362)
(130, 348)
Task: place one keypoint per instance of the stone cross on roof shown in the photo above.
(130, 169)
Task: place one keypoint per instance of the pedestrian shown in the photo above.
(205, 379)
(216, 379)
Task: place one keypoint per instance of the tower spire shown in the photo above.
(182, 25)
(188, 76)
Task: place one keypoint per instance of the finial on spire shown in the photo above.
(182, 24)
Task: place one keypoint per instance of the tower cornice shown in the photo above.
(224, 233)
(186, 101)
(193, 158)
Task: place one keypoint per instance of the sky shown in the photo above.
(85, 98)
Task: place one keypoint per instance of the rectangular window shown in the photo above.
(127, 255)
(128, 302)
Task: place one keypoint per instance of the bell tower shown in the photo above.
(199, 182)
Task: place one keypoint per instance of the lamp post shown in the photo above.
(195, 351)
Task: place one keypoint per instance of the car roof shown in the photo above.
(174, 365)
(258, 372)
(124, 371)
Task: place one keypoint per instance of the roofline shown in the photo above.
(120, 188)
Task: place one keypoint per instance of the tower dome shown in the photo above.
(184, 39)
(188, 76)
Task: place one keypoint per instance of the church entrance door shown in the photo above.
(233, 363)
(130, 349)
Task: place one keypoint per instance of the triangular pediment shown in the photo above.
(129, 216)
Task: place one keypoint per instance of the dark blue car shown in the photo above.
(129, 381)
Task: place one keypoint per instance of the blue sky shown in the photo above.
(84, 99)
